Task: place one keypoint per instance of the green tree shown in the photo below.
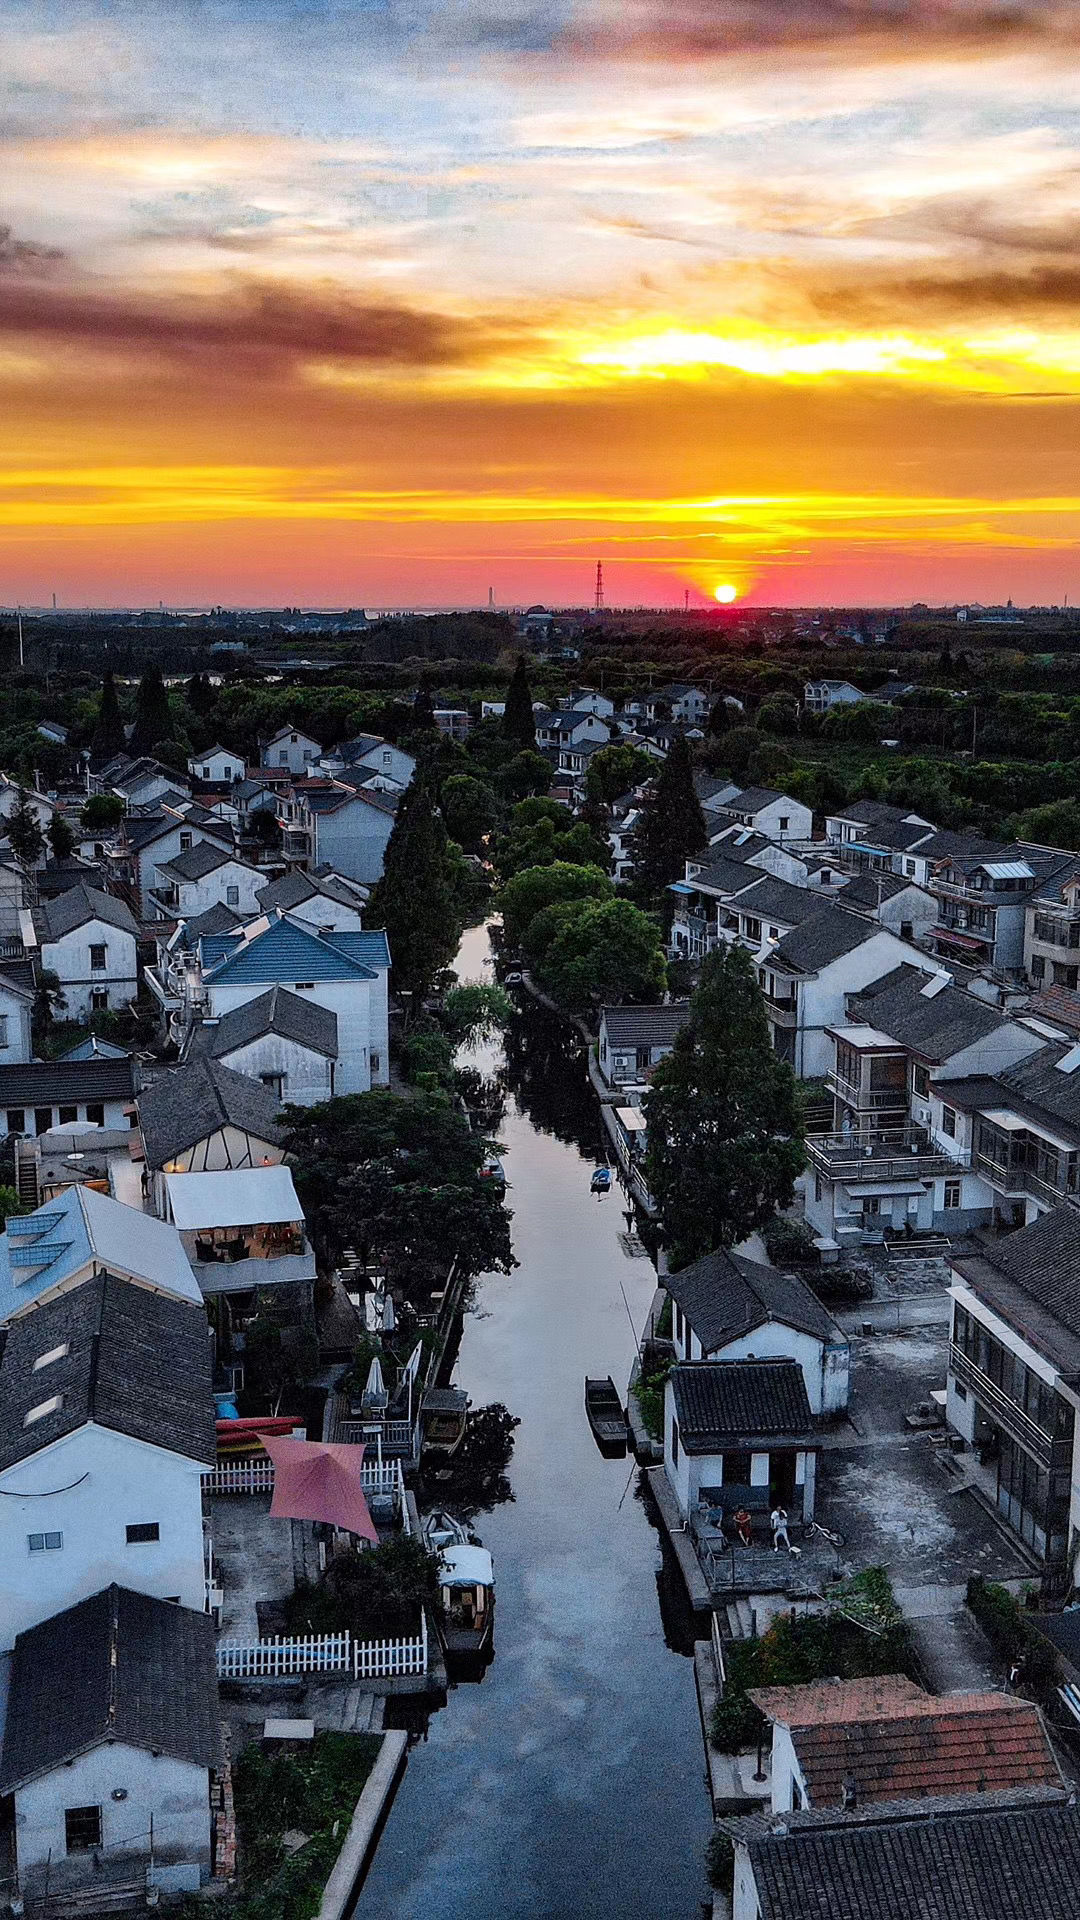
(469, 809)
(518, 723)
(49, 1000)
(474, 1011)
(779, 714)
(108, 737)
(535, 888)
(719, 716)
(725, 1137)
(541, 843)
(416, 899)
(24, 831)
(526, 774)
(153, 720)
(601, 951)
(423, 711)
(200, 695)
(672, 824)
(101, 811)
(1057, 824)
(61, 839)
(616, 770)
(280, 1357)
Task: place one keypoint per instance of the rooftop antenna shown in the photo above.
(686, 599)
(599, 603)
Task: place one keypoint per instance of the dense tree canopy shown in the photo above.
(672, 824)
(417, 899)
(532, 890)
(518, 723)
(469, 809)
(724, 1139)
(598, 951)
(616, 770)
(153, 718)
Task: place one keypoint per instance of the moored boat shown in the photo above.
(444, 1413)
(604, 1411)
(467, 1588)
(601, 1180)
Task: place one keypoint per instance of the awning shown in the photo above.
(965, 940)
(682, 886)
(466, 1566)
(631, 1119)
(882, 1189)
(243, 1197)
(315, 1480)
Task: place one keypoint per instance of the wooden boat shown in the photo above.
(604, 1412)
(601, 1181)
(467, 1589)
(442, 1530)
(444, 1413)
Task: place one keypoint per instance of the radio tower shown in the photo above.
(599, 602)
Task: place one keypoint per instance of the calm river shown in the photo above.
(570, 1781)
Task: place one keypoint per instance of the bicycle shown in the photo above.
(815, 1531)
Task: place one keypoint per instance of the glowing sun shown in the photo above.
(726, 594)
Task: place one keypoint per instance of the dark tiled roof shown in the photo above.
(724, 1402)
(197, 861)
(936, 1025)
(278, 1011)
(724, 1295)
(876, 813)
(1034, 1273)
(79, 905)
(137, 1361)
(823, 938)
(725, 876)
(644, 1026)
(869, 889)
(773, 899)
(43, 1083)
(119, 1667)
(191, 1102)
(217, 919)
(967, 1743)
(1039, 1081)
(750, 799)
(992, 1863)
(962, 847)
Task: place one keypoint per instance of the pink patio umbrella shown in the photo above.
(315, 1480)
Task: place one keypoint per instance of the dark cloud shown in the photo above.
(979, 291)
(248, 324)
(903, 29)
(23, 256)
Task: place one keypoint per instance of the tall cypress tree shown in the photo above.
(153, 720)
(518, 723)
(672, 824)
(108, 737)
(416, 899)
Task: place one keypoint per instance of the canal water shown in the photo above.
(569, 1781)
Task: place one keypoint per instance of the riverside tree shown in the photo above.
(724, 1126)
(672, 824)
(153, 719)
(586, 952)
(517, 722)
(535, 888)
(417, 898)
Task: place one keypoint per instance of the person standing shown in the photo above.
(778, 1522)
(743, 1527)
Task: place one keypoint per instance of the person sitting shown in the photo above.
(744, 1527)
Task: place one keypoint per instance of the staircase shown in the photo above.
(27, 1174)
(739, 1615)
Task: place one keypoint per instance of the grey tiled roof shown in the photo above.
(823, 938)
(137, 1361)
(43, 1083)
(644, 1026)
(773, 899)
(750, 799)
(79, 905)
(1042, 1261)
(936, 1026)
(724, 1295)
(731, 1402)
(119, 1667)
(279, 1011)
(197, 861)
(726, 876)
(869, 889)
(981, 1863)
(191, 1102)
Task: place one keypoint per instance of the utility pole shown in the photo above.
(21, 661)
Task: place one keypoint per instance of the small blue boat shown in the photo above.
(601, 1180)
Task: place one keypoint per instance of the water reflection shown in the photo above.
(544, 1069)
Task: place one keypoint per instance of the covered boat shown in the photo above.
(467, 1584)
(601, 1180)
(444, 1412)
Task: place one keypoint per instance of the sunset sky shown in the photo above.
(386, 304)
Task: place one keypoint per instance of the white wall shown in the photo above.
(321, 912)
(745, 1904)
(297, 751)
(305, 1076)
(217, 766)
(15, 1041)
(174, 1792)
(800, 819)
(362, 1017)
(70, 959)
(198, 896)
(170, 843)
(115, 1111)
(352, 840)
(228, 1148)
(112, 1482)
(821, 999)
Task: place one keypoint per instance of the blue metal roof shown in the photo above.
(682, 886)
(287, 951)
(370, 948)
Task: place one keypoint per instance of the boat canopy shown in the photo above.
(466, 1567)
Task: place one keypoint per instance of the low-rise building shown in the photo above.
(329, 823)
(774, 814)
(726, 1307)
(284, 1040)
(202, 1117)
(370, 756)
(634, 1039)
(42, 1096)
(218, 767)
(79, 1234)
(325, 901)
(90, 941)
(1052, 932)
(821, 696)
(243, 1231)
(893, 901)
(807, 976)
(293, 750)
(740, 1433)
(206, 876)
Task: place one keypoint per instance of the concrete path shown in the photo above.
(954, 1652)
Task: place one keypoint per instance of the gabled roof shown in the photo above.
(834, 1701)
(826, 936)
(350, 751)
(771, 899)
(752, 799)
(644, 1026)
(41, 1252)
(878, 813)
(965, 1743)
(286, 950)
(868, 890)
(296, 889)
(198, 861)
(120, 1667)
(79, 906)
(958, 1862)
(43, 1083)
(217, 919)
(724, 1296)
(128, 1359)
(208, 753)
(725, 877)
(1033, 1278)
(935, 1026)
(192, 1102)
(734, 1402)
(291, 1015)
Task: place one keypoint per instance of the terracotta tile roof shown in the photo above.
(828, 1702)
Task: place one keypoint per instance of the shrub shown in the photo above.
(1010, 1633)
(720, 1862)
(786, 1239)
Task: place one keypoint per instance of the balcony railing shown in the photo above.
(869, 1099)
(1014, 1177)
(1063, 932)
(897, 1154)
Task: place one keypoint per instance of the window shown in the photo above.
(206, 773)
(948, 1122)
(952, 1195)
(185, 843)
(751, 927)
(906, 929)
(51, 1405)
(45, 1542)
(920, 1080)
(232, 896)
(54, 1353)
(305, 986)
(283, 758)
(16, 1120)
(871, 1206)
(387, 758)
(674, 1441)
(376, 1062)
(42, 1119)
(82, 1828)
(3, 1029)
(909, 869)
(142, 1533)
(95, 1113)
(99, 999)
(67, 1116)
(1038, 966)
(784, 818)
(98, 959)
(275, 1082)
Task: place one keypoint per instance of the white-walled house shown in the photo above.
(341, 827)
(893, 901)
(202, 1117)
(90, 941)
(218, 766)
(345, 972)
(633, 1040)
(292, 749)
(243, 1230)
(207, 876)
(740, 1433)
(323, 901)
(726, 1307)
(106, 1427)
(807, 976)
(16, 1015)
(774, 814)
(821, 696)
(368, 755)
(112, 1732)
(142, 844)
(285, 1040)
(64, 1243)
(41, 1096)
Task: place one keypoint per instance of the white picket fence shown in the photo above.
(380, 1478)
(323, 1653)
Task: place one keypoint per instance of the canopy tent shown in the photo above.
(466, 1566)
(242, 1197)
(314, 1480)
